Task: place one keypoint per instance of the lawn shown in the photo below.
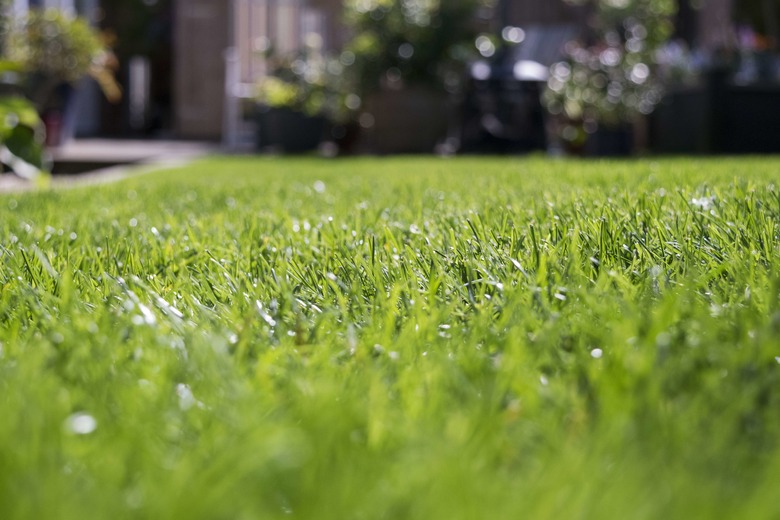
(395, 339)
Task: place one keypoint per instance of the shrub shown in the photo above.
(53, 48)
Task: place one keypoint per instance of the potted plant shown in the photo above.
(300, 98)
(404, 62)
(611, 78)
(54, 52)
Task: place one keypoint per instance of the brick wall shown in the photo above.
(201, 36)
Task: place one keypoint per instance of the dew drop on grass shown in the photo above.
(704, 203)
(186, 398)
(133, 222)
(147, 314)
(663, 340)
(715, 310)
(444, 331)
(177, 343)
(81, 423)
(169, 309)
(596, 353)
(319, 187)
(135, 498)
(543, 380)
(264, 315)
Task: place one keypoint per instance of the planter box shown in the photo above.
(609, 141)
(718, 117)
(412, 120)
(289, 131)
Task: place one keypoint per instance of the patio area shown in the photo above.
(93, 161)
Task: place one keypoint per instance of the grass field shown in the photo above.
(395, 339)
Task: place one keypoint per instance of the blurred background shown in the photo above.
(579, 77)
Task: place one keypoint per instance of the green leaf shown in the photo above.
(15, 111)
(20, 147)
(22, 142)
(10, 66)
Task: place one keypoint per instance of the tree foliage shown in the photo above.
(612, 73)
(53, 48)
(410, 42)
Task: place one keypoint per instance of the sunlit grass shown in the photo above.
(395, 338)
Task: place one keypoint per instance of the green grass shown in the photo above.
(395, 339)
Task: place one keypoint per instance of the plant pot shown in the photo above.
(286, 130)
(610, 141)
(410, 120)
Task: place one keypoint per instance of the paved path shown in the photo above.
(130, 158)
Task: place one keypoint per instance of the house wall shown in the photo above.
(533, 12)
(335, 36)
(201, 35)
(204, 29)
(23, 5)
(714, 25)
(281, 25)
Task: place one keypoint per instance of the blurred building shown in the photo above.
(186, 65)
(174, 54)
(205, 29)
(80, 6)
(220, 48)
